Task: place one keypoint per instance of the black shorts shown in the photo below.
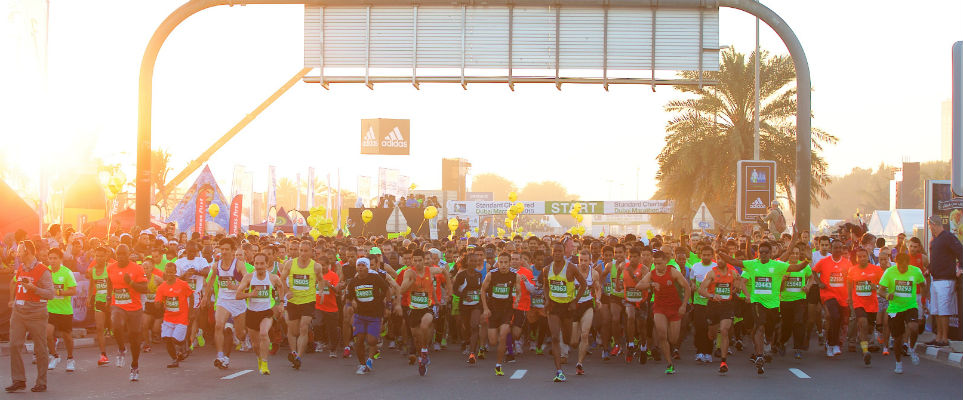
(609, 299)
(716, 311)
(61, 322)
(763, 316)
(252, 319)
(154, 310)
(861, 313)
(101, 306)
(581, 308)
(500, 317)
(518, 318)
(897, 323)
(561, 310)
(813, 295)
(297, 311)
(414, 316)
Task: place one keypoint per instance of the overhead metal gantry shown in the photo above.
(602, 42)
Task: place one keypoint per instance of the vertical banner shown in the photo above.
(297, 190)
(364, 191)
(234, 226)
(200, 214)
(272, 199)
(327, 195)
(310, 188)
(339, 200)
(755, 189)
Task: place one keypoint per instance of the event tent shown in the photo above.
(16, 214)
(877, 222)
(903, 221)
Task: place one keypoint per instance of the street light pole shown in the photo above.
(755, 109)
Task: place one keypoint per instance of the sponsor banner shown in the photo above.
(200, 214)
(480, 196)
(940, 201)
(494, 207)
(310, 188)
(639, 207)
(755, 189)
(565, 207)
(385, 136)
(235, 222)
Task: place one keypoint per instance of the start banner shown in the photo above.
(563, 207)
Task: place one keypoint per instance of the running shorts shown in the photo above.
(235, 307)
(252, 319)
(582, 308)
(175, 331)
(518, 318)
(500, 317)
(671, 312)
(414, 316)
(61, 322)
(297, 311)
(562, 310)
(898, 321)
(366, 325)
(716, 311)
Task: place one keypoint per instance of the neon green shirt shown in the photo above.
(902, 286)
(63, 279)
(764, 281)
(795, 288)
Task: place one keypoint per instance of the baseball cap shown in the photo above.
(935, 219)
(363, 260)
(374, 251)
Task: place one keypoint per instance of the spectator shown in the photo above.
(946, 253)
(412, 202)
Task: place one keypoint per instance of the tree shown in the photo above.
(713, 130)
(286, 193)
(547, 190)
(497, 184)
(159, 168)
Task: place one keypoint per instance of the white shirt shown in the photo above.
(197, 281)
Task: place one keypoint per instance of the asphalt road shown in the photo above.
(531, 377)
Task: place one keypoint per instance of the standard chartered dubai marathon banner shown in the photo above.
(563, 207)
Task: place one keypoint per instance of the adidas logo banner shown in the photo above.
(385, 136)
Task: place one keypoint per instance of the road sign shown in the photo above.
(703, 219)
(755, 188)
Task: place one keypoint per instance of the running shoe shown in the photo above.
(332, 354)
(134, 375)
(346, 353)
(297, 362)
(71, 365)
(579, 370)
(539, 351)
(510, 358)
(498, 371)
(16, 386)
(377, 354)
(899, 367)
(723, 368)
(362, 370)
(200, 338)
(837, 351)
(605, 356)
(472, 359)
(867, 359)
(615, 351)
(437, 346)
(263, 368)
(707, 358)
(885, 351)
(767, 356)
(173, 364)
(103, 360)
(422, 366)
(629, 354)
(670, 369)
(559, 377)
(829, 352)
(739, 344)
(120, 359)
(444, 343)
(798, 355)
(391, 344)
(699, 358)
(481, 353)
(370, 364)
(760, 363)
(147, 348)
(53, 362)
(675, 354)
(914, 358)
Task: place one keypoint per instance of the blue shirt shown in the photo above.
(946, 252)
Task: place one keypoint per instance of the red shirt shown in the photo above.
(523, 301)
(864, 286)
(439, 284)
(174, 298)
(833, 274)
(330, 303)
(33, 276)
(124, 296)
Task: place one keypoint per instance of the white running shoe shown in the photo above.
(914, 358)
(120, 359)
(71, 365)
(837, 351)
(899, 367)
(53, 362)
(362, 370)
(707, 358)
(829, 351)
(437, 346)
(134, 375)
(699, 358)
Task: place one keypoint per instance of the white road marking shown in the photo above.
(237, 374)
(799, 373)
(519, 374)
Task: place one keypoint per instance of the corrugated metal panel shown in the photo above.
(485, 30)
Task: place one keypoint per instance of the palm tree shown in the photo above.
(286, 193)
(713, 129)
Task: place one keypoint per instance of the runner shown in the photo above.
(794, 304)
(497, 305)
(192, 268)
(153, 312)
(559, 278)
(523, 299)
(60, 309)
(175, 296)
(863, 280)
(225, 277)
(300, 278)
(417, 286)
(468, 284)
(699, 319)
(900, 284)
(636, 306)
(367, 291)
(765, 276)
(259, 289)
(612, 294)
(127, 281)
(830, 273)
(719, 286)
(99, 287)
(327, 306)
(585, 310)
(667, 307)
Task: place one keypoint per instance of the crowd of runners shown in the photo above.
(621, 299)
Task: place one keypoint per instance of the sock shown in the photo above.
(723, 359)
(631, 345)
(498, 365)
(643, 348)
(864, 345)
(221, 354)
(424, 349)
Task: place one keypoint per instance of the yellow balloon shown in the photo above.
(468, 234)
(315, 233)
(501, 232)
(431, 212)
(313, 220)
(512, 196)
(366, 216)
(649, 234)
(508, 222)
(453, 224)
(213, 210)
(578, 218)
(520, 208)
(510, 213)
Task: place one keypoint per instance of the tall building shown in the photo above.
(946, 130)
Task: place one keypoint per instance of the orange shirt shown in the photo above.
(174, 299)
(124, 296)
(330, 302)
(523, 302)
(631, 277)
(833, 274)
(864, 286)
(420, 294)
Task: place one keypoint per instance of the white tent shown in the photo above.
(878, 222)
(903, 221)
(827, 226)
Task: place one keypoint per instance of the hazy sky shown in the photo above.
(879, 76)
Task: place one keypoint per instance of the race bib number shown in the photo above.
(192, 283)
(261, 291)
(226, 282)
(419, 300)
(538, 301)
(501, 291)
(100, 286)
(903, 288)
(472, 298)
(863, 289)
(633, 295)
(836, 279)
(122, 296)
(364, 293)
(723, 290)
(58, 287)
(172, 304)
(794, 284)
(762, 285)
(301, 282)
(558, 289)
(150, 297)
